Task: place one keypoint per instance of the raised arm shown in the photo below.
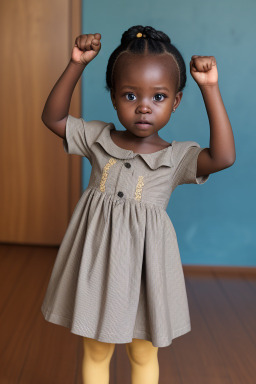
(221, 153)
(56, 108)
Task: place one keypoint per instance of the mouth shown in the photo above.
(143, 123)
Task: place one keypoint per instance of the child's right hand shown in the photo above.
(86, 48)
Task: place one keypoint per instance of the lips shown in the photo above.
(143, 122)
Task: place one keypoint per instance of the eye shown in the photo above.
(159, 97)
(130, 96)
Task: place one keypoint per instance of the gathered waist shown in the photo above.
(121, 199)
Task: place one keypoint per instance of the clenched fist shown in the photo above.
(203, 69)
(86, 48)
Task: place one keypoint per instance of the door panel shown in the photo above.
(40, 183)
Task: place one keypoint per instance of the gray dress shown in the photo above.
(118, 273)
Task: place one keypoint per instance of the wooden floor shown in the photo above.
(220, 349)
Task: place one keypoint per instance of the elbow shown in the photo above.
(229, 162)
(43, 118)
(220, 165)
(232, 160)
(225, 162)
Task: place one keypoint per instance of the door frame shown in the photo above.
(75, 162)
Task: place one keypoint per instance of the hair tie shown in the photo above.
(139, 34)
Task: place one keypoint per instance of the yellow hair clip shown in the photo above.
(139, 34)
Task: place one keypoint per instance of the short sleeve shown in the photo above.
(80, 135)
(186, 155)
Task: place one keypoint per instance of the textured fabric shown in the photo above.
(118, 273)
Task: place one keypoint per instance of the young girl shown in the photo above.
(118, 276)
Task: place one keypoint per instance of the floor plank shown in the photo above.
(235, 348)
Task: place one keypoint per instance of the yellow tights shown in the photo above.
(141, 353)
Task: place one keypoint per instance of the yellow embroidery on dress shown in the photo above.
(139, 188)
(105, 171)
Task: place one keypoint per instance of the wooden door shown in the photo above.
(40, 183)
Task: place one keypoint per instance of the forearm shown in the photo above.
(222, 145)
(58, 102)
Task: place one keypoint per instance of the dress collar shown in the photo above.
(154, 160)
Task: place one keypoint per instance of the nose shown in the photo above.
(143, 107)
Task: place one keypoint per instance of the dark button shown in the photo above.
(128, 165)
(120, 194)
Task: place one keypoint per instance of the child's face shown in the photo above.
(145, 88)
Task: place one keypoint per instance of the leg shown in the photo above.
(144, 361)
(96, 360)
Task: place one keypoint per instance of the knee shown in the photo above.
(96, 350)
(141, 352)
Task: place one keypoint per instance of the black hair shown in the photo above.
(155, 42)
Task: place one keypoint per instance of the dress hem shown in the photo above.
(111, 338)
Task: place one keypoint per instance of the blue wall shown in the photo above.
(215, 222)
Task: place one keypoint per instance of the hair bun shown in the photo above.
(149, 32)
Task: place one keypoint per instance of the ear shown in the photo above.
(177, 101)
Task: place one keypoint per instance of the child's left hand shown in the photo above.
(203, 69)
